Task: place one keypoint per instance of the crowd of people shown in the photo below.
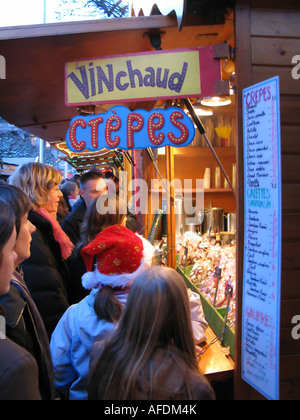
(87, 315)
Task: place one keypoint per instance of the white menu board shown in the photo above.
(262, 248)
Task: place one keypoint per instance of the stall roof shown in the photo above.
(32, 95)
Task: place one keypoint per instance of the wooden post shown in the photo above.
(169, 160)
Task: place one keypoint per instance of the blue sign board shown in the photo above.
(124, 129)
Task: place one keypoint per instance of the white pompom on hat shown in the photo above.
(121, 256)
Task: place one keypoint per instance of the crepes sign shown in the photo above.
(143, 76)
(121, 128)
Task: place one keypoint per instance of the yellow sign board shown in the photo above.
(142, 76)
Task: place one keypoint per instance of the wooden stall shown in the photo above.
(265, 40)
(268, 38)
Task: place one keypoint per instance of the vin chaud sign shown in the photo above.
(142, 76)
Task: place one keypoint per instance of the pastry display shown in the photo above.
(214, 269)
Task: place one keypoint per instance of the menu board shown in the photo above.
(262, 247)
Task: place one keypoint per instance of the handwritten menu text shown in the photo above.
(262, 247)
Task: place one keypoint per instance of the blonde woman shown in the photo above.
(46, 272)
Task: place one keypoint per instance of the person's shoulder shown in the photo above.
(201, 387)
(77, 212)
(18, 373)
(13, 357)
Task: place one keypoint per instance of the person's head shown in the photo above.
(121, 256)
(20, 203)
(158, 312)
(7, 246)
(41, 185)
(70, 188)
(92, 185)
(76, 179)
(103, 212)
(156, 316)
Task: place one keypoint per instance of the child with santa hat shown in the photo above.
(121, 257)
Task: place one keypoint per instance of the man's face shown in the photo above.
(92, 189)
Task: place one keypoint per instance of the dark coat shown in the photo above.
(25, 327)
(46, 274)
(72, 223)
(18, 373)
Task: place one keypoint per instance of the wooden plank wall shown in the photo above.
(267, 40)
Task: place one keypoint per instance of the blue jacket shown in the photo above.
(79, 329)
(71, 343)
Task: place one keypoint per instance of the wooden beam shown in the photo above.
(243, 66)
(171, 260)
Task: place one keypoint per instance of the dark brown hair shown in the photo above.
(7, 224)
(95, 221)
(157, 315)
(16, 200)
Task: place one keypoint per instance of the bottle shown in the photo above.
(234, 176)
(206, 183)
(218, 178)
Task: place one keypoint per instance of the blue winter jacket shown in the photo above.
(71, 343)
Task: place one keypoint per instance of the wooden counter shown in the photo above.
(214, 364)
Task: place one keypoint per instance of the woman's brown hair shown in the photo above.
(7, 224)
(104, 211)
(157, 315)
(96, 220)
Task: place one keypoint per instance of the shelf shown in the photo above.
(217, 191)
(194, 190)
(203, 151)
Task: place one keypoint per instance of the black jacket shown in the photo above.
(46, 274)
(18, 373)
(25, 327)
(72, 223)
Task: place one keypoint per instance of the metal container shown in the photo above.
(181, 218)
(213, 220)
(231, 222)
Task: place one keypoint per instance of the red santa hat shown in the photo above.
(121, 256)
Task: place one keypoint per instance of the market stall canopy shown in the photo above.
(90, 160)
(33, 95)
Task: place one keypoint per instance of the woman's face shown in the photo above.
(7, 266)
(53, 200)
(24, 239)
